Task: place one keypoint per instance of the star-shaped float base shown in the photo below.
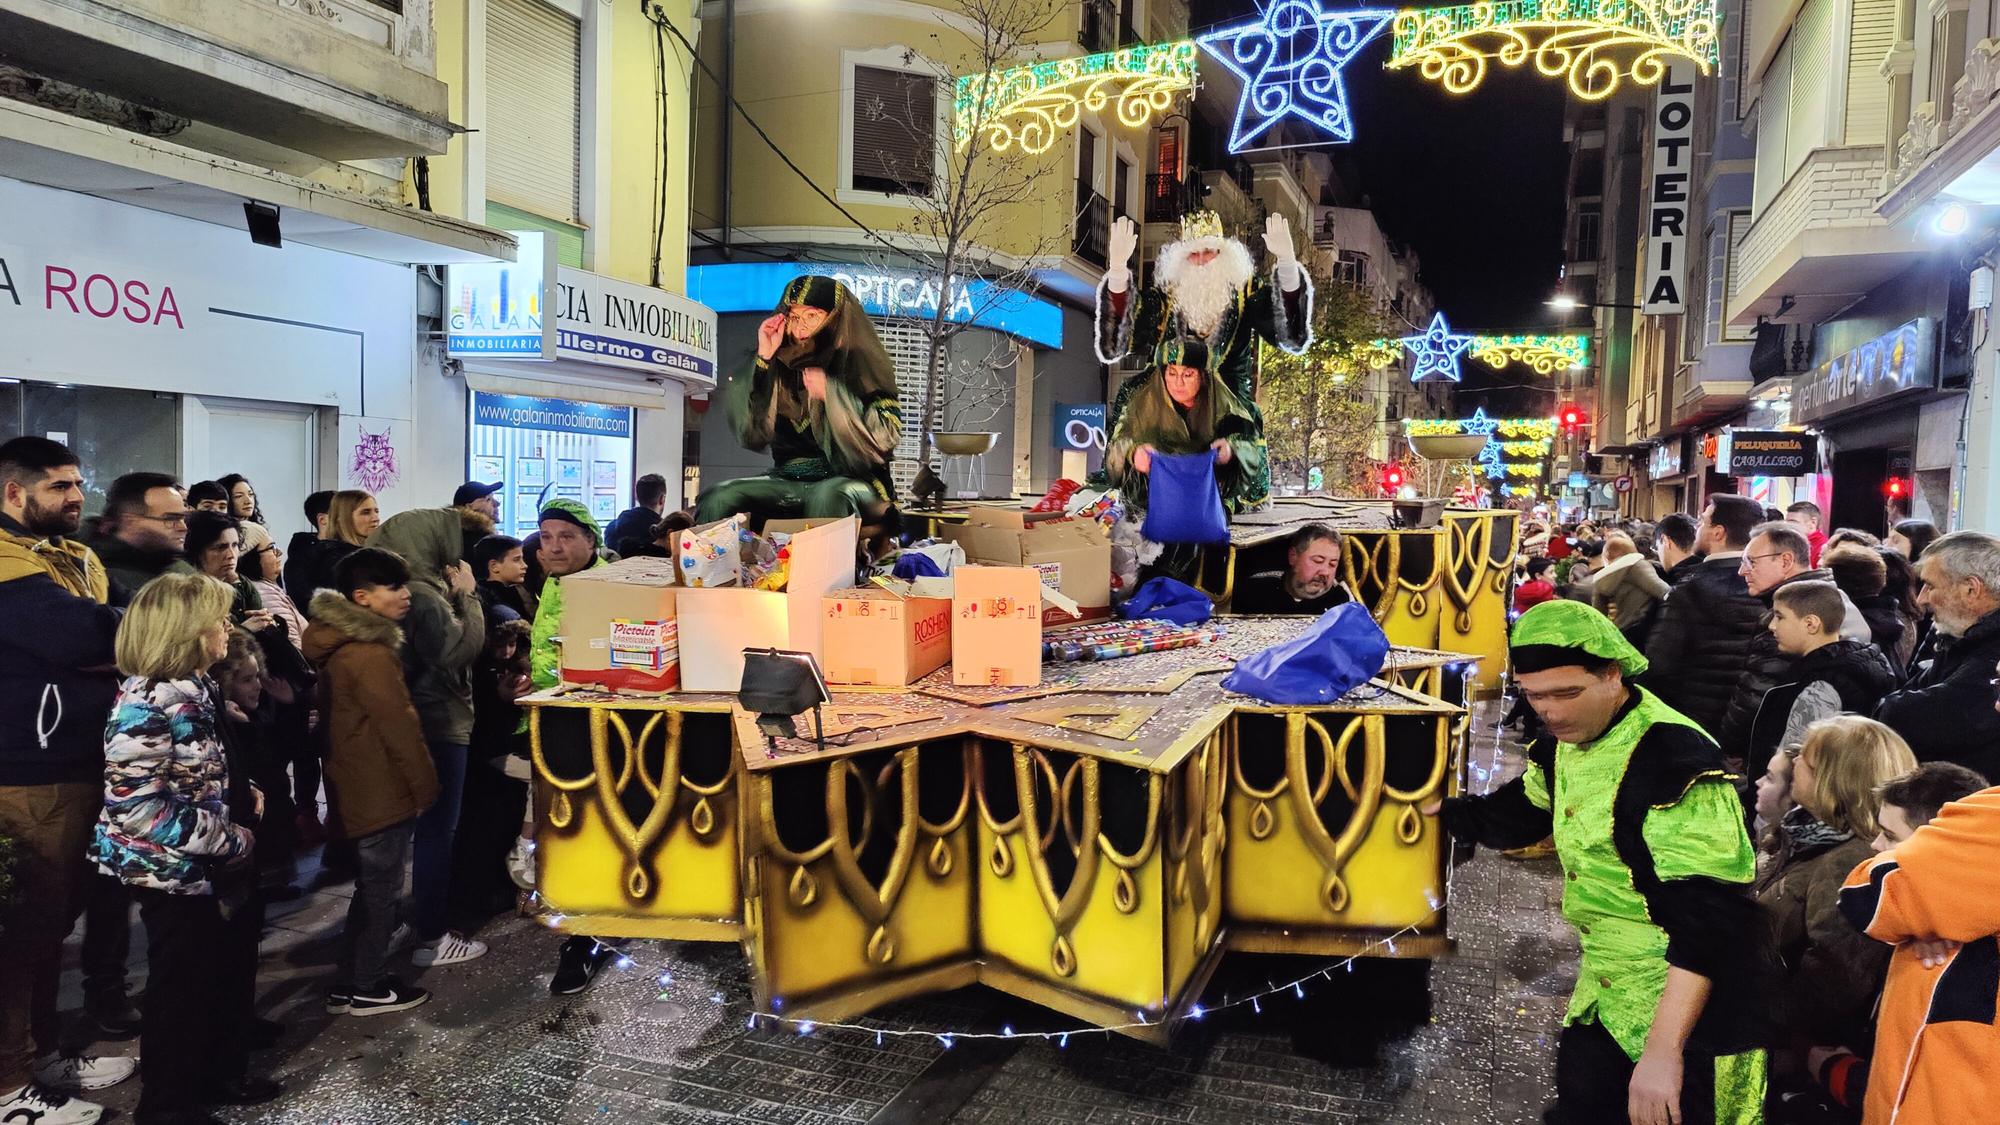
(1290, 63)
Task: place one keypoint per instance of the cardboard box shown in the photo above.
(878, 636)
(620, 628)
(996, 626)
(1073, 556)
(717, 624)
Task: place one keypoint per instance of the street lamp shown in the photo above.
(1564, 302)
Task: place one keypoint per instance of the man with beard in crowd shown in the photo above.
(1206, 288)
(56, 687)
(1946, 713)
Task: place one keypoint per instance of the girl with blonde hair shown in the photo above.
(166, 831)
(1832, 972)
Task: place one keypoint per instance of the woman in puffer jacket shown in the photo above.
(165, 832)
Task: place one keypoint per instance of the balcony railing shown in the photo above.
(1099, 30)
(1093, 228)
(1170, 197)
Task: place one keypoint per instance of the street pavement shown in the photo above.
(662, 1035)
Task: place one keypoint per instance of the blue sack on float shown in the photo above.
(1183, 504)
(1168, 599)
(1341, 651)
(910, 566)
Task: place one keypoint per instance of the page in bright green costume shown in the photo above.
(1656, 862)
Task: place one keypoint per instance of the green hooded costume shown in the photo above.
(1152, 417)
(1657, 866)
(831, 456)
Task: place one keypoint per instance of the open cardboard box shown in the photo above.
(884, 636)
(996, 621)
(1073, 556)
(619, 626)
(718, 622)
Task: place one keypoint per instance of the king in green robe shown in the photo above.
(821, 396)
(1669, 1006)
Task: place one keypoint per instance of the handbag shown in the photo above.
(1168, 599)
(1183, 504)
(1342, 650)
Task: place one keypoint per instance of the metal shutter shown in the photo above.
(908, 349)
(1812, 83)
(1774, 105)
(534, 95)
(895, 130)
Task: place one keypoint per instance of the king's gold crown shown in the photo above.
(1201, 224)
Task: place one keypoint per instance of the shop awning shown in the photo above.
(41, 146)
(531, 382)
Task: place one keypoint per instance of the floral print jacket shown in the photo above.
(165, 822)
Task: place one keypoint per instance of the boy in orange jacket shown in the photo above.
(1936, 897)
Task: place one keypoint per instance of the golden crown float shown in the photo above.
(1094, 840)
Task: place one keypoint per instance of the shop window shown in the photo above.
(895, 131)
(112, 430)
(543, 449)
(534, 109)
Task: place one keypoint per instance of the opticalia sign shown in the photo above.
(1887, 366)
(501, 309)
(755, 287)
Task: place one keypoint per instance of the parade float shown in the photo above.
(1091, 834)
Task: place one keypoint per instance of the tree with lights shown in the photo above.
(1317, 409)
(985, 189)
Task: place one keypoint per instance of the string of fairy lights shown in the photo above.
(881, 1034)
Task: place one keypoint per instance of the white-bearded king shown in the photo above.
(1206, 288)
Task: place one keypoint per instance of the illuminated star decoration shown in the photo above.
(1290, 63)
(1479, 424)
(1436, 352)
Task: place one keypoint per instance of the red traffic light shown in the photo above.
(1895, 488)
(1392, 477)
(1569, 416)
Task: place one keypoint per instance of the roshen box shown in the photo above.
(1073, 556)
(878, 636)
(619, 627)
(718, 623)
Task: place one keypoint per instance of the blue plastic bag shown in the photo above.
(1341, 651)
(1183, 504)
(1168, 599)
(911, 565)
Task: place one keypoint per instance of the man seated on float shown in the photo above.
(1308, 584)
(1183, 407)
(822, 398)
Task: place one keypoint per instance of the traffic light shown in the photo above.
(1392, 479)
(1570, 417)
(1896, 488)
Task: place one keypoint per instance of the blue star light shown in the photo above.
(1437, 352)
(1290, 63)
(1479, 424)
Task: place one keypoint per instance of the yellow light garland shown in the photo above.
(1034, 106)
(1596, 44)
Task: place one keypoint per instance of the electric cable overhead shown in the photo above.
(661, 20)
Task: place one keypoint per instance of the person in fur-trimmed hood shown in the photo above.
(1206, 288)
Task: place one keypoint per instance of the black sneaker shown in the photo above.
(581, 958)
(112, 1017)
(245, 1089)
(391, 995)
(339, 1000)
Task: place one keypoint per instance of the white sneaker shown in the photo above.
(521, 863)
(451, 949)
(83, 1072)
(42, 1106)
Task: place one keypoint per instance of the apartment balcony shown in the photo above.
(1819, 241)
(1960, 157)
(1226, 194)
(1092, 239)
(1170, 197)
(1715, 385)
(1277, 187)
(337, 79)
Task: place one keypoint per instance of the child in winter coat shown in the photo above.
(379, 775)
(166, 831)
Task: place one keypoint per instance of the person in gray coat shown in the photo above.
(1628, 590)
(443, 636)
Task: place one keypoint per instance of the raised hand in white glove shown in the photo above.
(1124, 243)
(1285, 257)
